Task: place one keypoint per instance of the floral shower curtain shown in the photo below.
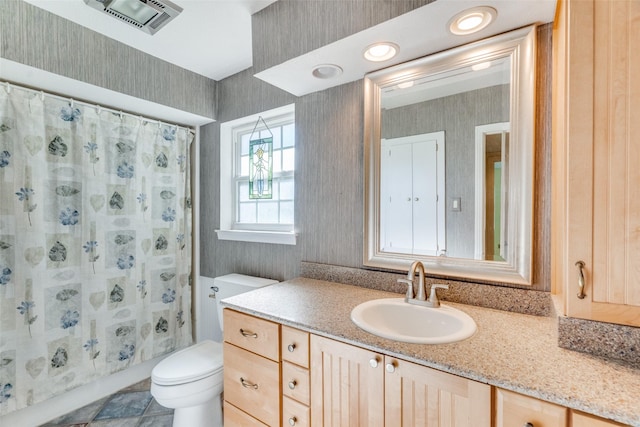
(95, 243)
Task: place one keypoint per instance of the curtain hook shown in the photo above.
(42, 95)
(98, 109)
(8, 88)
(71, 102)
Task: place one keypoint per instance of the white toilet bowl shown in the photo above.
(190, 382)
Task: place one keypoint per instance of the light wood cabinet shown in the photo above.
(347, 385)
(296, 389)
(308, 380)
(419, 396)
(351, 386)
(596, 158)
(579, 419)
(251, 371)
(517, 410)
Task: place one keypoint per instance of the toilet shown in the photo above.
(190, 380)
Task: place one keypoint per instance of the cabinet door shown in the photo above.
(579, 419)
(419, 396)
(346, 385)
(597, 157)
(516, 410)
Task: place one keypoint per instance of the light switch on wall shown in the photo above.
(455, 204)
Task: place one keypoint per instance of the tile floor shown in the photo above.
(130, 407)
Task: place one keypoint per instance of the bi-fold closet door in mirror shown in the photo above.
(412, 187)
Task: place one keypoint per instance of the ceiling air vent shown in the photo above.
(146, 15)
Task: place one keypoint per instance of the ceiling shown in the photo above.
(210, 37)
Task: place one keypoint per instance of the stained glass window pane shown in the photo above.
(260, 168)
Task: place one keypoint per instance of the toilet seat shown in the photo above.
(190, 364)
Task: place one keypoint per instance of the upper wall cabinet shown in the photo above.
(596, 171)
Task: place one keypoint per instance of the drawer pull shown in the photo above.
(247, 384)
(291, 348)
(292, 384)
(528, 425)
(292, 421)
(580, 265)
(248, 334)
(391, 367)
(373, 362)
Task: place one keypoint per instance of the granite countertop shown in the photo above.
(513, 351)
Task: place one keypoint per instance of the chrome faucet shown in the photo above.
(421, 297)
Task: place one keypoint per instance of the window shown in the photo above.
(268, 220)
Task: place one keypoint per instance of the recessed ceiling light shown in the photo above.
(378, 52)
(472, 20)
(326, 71)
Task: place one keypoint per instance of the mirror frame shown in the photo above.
(519, 45)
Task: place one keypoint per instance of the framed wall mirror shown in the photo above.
(449, 155)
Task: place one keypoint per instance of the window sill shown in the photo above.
(274, 237)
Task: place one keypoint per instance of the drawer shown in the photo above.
(513, 409)
(234, 417)
(256, 335)
(295, 382)
(252, 384)
(295, 346)
(295, 414)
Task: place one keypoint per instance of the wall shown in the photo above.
(456, 115)
(32, 36)
(289, 28)
(329, 172)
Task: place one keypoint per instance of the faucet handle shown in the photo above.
(409, 283)
(433, 296)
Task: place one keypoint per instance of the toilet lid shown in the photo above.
(190, 364)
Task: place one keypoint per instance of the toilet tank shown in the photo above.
(234, 284)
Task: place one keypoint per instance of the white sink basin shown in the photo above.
(395, 319)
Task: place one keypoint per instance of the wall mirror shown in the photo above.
(449, 153)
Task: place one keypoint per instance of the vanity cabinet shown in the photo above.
(251, 370)
(517, 410)
(579, 419)
(296, 381)
(352, 386)
(596, 159)
(419, 396)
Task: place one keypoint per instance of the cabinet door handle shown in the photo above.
(528, 425)
(292, 421)
(292, 384)
(391, 367)
(373, 362)
(580, 265)
(247, 384)
(248, 334)
(291, 348)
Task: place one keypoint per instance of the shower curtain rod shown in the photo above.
(72, 101)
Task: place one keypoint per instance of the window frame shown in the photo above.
(230, 144)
